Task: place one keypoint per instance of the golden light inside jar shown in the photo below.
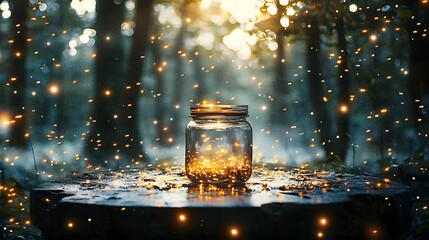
(218, 144)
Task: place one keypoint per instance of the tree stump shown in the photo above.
(274, 203)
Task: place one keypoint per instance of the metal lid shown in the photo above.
(219, 110)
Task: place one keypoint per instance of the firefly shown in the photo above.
(54, 89)
(234, 232)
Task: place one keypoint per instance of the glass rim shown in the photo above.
(222, 110)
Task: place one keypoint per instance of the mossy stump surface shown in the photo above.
(163, 204)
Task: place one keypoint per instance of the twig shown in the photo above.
(34, 159)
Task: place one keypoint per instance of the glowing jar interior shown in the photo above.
(218, 144)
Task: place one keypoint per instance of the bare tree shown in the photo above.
(18, 73)
(132, 145)
(102, 142)
(343, 80)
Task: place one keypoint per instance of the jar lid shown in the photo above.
(212, 109)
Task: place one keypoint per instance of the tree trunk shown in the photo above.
(278, 113)
(343, 117)
(280, 89)
(102, 142)
(52, 116)
(316, 87)
(418, 85)
(179, 75)
(133, 141)
(18, 73)
(159, 89)
(61, 116)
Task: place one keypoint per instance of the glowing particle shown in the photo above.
(107, 92)
(353, 8)
(54, 89)
(344, 108)
(323, 221)
(182, 217)
(18, 54)
(373, 37)
(108, 38)
(70, 225)
(234, 232)
(188, 20)
(290, 11)
(284, 21)
(320, 235)
(272, 9)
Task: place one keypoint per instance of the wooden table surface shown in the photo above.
(163, 204)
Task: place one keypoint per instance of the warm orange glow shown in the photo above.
(373, 37)
(107, 92)
(344, 108)
(234, 232)
(182, 217)
(54, 89)
(18, 54)
(323, 221)
(207, 103)
(4, 118)
(320, 234)
(70, 225)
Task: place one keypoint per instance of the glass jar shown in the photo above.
(218, 144)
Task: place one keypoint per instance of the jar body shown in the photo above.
(218, 150)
